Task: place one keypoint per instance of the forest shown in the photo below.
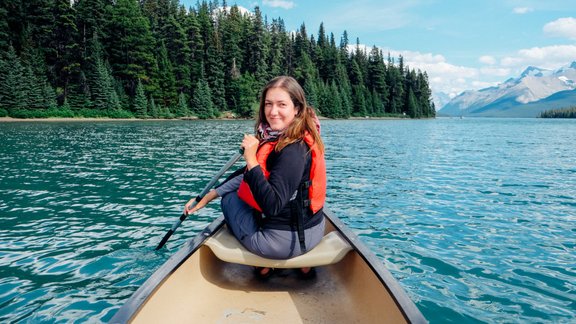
(159, 59)
(569, 112)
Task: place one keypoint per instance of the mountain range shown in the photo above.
(534, 91)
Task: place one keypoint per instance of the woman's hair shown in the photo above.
(305, 119)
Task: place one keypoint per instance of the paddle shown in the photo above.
(200, 196)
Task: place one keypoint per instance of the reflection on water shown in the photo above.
(474, 217)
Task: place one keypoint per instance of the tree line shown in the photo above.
(569, 112)
(158, 59)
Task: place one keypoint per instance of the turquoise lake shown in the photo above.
(476, 218)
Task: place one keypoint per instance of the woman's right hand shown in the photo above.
(188, 209)
(250, 145)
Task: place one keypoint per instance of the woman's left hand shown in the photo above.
(250, 144)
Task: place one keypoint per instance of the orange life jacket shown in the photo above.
(317, 189)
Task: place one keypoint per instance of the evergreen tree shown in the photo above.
(395, 84)
(196, 44)
(152, 108)
(76, 93)
(412, 105)
(359, 105)
(63, 60)
(12, 83)
(90, 22)
(104, 96)
(278, 44)
(377, 79)
(33, 90)
(202, 104)
(131, 47)
(183, 109)
(166, 77)
(178, 50)
(215, 72)
(231, 31)
(336, 101)
(311, 91)
(140, 102)
(257, 50)
(49, 96)
(4, 27)
(248, 95)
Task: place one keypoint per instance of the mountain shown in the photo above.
(440, 99)
(534, 91)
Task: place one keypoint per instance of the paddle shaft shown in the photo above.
(209, 186)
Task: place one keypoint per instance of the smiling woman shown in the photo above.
(273, 206)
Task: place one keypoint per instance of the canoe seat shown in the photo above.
(227, 248)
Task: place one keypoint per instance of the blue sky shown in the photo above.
(461, 44)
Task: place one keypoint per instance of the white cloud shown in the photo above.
(279, 3)
(452, 79)
(562, 27)
(522, 10)
(487, 59)
(549, 57)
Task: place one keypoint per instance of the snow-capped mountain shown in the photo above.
(535, 90)
(440, 99)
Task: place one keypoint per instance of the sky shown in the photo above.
(461, 44)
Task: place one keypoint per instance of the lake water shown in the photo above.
(476, 218)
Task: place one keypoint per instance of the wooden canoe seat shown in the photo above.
(227, 248)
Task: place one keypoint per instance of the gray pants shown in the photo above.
(268, 243)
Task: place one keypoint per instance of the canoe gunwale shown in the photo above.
(407, 307)
(405, 304)
(133, 304)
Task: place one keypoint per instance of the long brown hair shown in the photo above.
(304, 119)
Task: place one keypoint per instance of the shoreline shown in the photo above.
(81, 119)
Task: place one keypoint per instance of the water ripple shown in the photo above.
(475, 218)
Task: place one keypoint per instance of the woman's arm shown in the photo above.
(286, 169)
(211, 195)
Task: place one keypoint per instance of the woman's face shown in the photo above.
(279, 109)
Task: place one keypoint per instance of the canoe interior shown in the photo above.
(205, 289)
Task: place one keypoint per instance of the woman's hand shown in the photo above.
(188, 209)
(250, 144)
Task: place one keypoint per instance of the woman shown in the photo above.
(273, 206)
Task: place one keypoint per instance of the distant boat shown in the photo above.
(210, 280)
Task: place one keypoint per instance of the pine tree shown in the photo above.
(131, 47)
(33, 90)
(215, 72)
(49, 96)
(336, 101)
(4, 28)
(178, 50)
(140, 102)
(257, 50)
(196, 44)
(231, 31)
(377, 79)
(248, 95)
(104, 96)
(311, 91)
(202, 104)
(90, 22)
(64, 59)
(166, 77)
(152, 108)
(412, 105)
(278, 43)
(12, 84)
(183, 109)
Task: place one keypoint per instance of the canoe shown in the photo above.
(211, 280)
